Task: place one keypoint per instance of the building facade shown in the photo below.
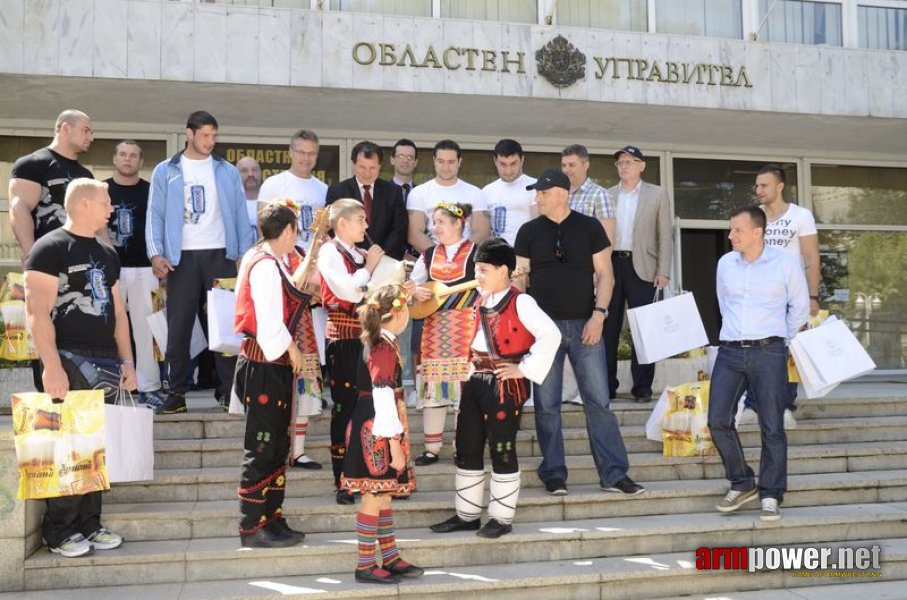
(709, 89)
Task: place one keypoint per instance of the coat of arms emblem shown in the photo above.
(560, 62)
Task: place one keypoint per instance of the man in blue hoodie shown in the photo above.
(197, 230)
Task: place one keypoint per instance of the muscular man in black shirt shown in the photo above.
(77, 317)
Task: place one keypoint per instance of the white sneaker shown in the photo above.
(73, 546)
(789, 421)
(770, 510)
(105, 540)
(749, 417)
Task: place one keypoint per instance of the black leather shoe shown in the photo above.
(376, 575)
(642, 399)
(306, 464)
(174, 404)
(345, 498)
(455, 523)
(264, 538)
(404, 569)
(280, 527)
(556, 487)
(426, 458)
(493, 530)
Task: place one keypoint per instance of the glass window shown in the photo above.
(714, 18)
(626, 15)
(711, 189)
(864, 274)
(97, 160)
(882, 28)
(478, 167)
(274, 158)
(412, 8)
(859, 195)
(802, 22)
(518, 11)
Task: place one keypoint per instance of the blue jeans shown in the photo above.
(790, 402)
(763, 369)
(605, 441)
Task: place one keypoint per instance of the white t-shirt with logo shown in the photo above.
(784, 233)
(203, 226)
(427, 196)
(309, 193)
(509, 205)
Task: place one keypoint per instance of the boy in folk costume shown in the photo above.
(444, 355)
(266, 371)
(514, 341)
(377, 463)
(345, 271)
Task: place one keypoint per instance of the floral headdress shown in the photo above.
(453, 209)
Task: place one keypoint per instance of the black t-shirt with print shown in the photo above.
(127, 222)
(53, 172)
(564, 287)
(83, 315)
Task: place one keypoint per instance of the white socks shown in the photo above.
(505, 491)
(470, 498)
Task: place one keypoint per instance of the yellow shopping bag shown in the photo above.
(685, 424)
(15, 342)
(60, 446)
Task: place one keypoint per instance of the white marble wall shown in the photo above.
(185, 41)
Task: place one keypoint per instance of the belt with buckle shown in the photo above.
(623, 253)
(752, 343)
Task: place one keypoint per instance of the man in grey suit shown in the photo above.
(641, 259)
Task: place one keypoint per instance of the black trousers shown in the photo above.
(486, 416)
(69, 515)
(631, 291)
(266, 390)
(342, 358)
(186, 286)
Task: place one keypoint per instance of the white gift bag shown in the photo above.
(827, 356)
(129, 438)
(157, 322)
(221, 314)
(666, 328)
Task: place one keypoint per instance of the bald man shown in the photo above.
(38, 186)
(250, 173)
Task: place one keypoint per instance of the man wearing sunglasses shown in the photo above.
(641, 259)
(571, 279)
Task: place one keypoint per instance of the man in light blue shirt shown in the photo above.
(764, 301)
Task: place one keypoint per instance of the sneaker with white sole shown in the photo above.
(105, 540)
(73, 546)
(789, 421)
(734, 499)
(770, 510)
(749, 417)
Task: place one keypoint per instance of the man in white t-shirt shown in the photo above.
(197, 230)
(510, 204)
(790, 228)
(446, 187)
(250, 172)
(298, 183)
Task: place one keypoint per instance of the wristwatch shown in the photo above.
(603, 311)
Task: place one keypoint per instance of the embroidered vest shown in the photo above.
(506, 336)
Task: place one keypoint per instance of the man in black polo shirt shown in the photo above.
(77, 317)
(571, 279)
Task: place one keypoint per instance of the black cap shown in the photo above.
(549, 179)
(631, 150)
(496, 251)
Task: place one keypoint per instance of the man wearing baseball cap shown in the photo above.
(564, 249)
(641, 259)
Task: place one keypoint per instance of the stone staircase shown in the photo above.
(847, 486)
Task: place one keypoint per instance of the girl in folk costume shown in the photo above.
(266, 371)
(345, 271)
(514, 341)
(444, 355)
(377, 463)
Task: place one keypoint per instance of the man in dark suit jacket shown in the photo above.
(641, 258)
(385, 207)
